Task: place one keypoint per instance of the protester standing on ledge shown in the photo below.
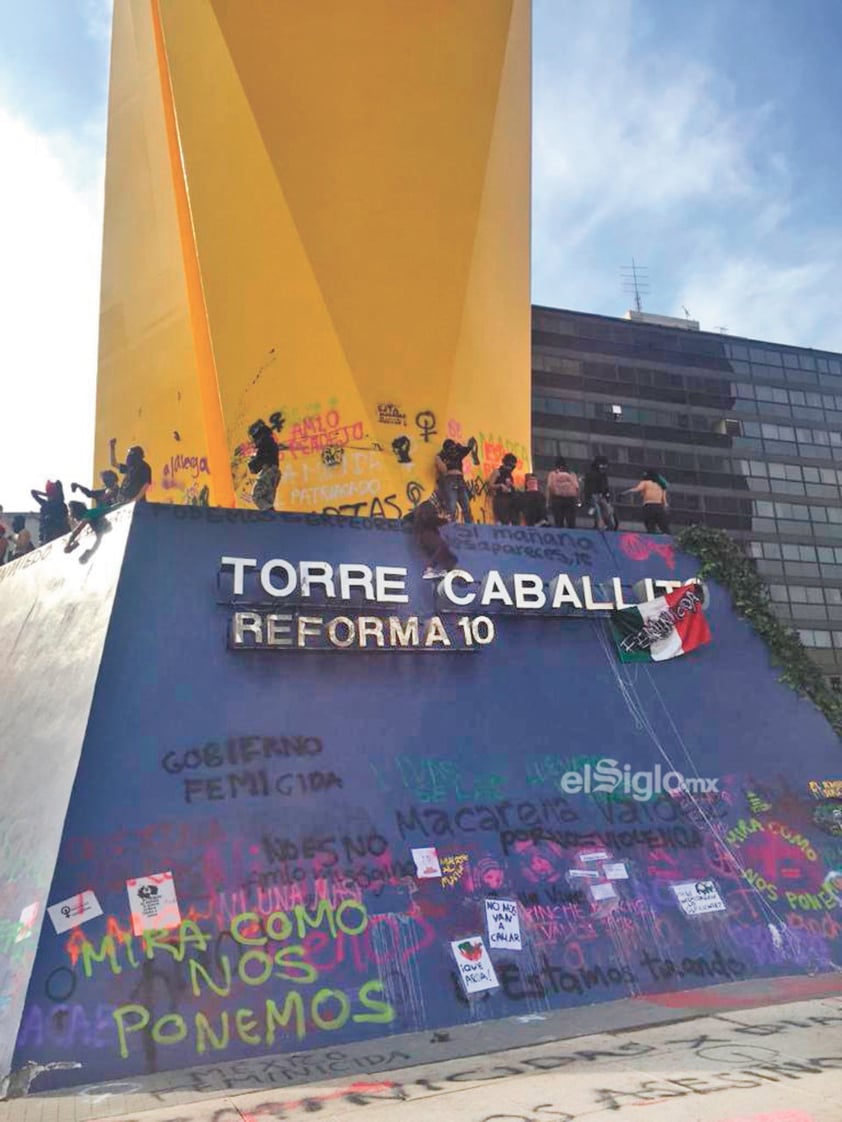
(598, 495)
(653, 490)
(137, 474)
(451, 478)
(501, 485)
(53, 521)
(563, 494)
(533, 504)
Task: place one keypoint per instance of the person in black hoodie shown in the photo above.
(136, 472)
(598, 495)
(264, 464)
(452, 487)
(53, 522)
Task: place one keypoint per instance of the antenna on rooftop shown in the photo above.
(723, 330)
(686, 311)
(636, 282)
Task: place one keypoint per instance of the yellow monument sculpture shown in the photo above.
(316, 240)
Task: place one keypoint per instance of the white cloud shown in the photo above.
(50, 234)
(644, 150)
(792, 300)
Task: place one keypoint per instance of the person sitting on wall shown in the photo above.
(108, 495)
(563, 494)
(427, 519)
(451, 479)
(264, 464)
(53, 519)
(501, 486)
(598, 495)
(533, 504)
(22, 542)
(653, 490)
(137, 474)
(104, 499)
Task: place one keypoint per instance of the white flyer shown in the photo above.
(698, 897)
(74, 910)
(603, 891)
(153, 903)
(615, 870)
(28, 916)
(426, 862)
(503, 925)
(476, 969)
(595, 855)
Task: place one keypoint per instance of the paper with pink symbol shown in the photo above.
(153, 903)
(426, 862)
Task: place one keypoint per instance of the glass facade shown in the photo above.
(748, 434)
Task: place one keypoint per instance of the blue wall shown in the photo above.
(389, 751)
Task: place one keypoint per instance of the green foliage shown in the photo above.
(724, 560)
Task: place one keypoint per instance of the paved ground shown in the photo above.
(724, 1055)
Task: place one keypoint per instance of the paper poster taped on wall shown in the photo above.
(476, 970)
(74, 910)
(426, 863)
(26, 922)
(603, 891)
(698, 897)
(503, 925)
(615, 870)
(153, 903)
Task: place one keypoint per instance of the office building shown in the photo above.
(748, 434)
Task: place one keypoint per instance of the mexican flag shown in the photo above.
(664, 628)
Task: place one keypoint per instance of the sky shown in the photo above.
(700, 140)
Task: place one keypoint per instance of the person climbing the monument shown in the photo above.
(264, 464)
(532, 502)
(451, 478)
(103, 498)
(652, 489)
(427, 519)
(52, 522)
(501, 486)
(137, 474)
(563, 494)
(598, 495)
(22, 542)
